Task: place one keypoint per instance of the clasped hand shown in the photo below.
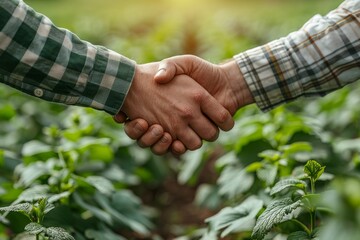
(177, 103)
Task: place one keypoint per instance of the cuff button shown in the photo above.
(38, 92)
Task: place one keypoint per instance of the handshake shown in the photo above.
(178, 102)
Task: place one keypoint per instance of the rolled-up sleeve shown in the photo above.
(324, 55)
(40, 59)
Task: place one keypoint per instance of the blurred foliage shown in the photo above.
(102, 186)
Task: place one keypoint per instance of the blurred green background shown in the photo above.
(150, 30)
(147, 30)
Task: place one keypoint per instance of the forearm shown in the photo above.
(239, 87)
(319, 58)
(45, 61)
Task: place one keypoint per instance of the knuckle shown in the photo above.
(212, 134)
(141, 143)
(198, 96)
(195, 145)
(223, 116)
(158, 151)
(186, 112)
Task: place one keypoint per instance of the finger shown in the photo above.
(170, 67)
(162, 146)
(205, 128)
(190, 139)
(120, 117)
(217, 113)
(153, 135)
(136, 128)
(166, 72)
(178, 148)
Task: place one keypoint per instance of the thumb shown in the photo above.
(166, 72)
(120, 117)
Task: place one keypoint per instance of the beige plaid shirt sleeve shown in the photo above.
(324, 55)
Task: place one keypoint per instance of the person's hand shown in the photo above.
(183, 108)
(224, 82)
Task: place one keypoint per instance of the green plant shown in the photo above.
(36, 213)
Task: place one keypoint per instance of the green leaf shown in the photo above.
(101, 184)
(34, 228)
(274, 214)
(57, 233)
(35, 147)
(267, 173)
(271, 155)
(296, 148)
(28, 174)
(208, 196)
(97, 212)
(234, 181)
(103, 234)
(253, 167)
(287, 183)
(313, 169)
(25, 236)
(191, 166)
(299, 235)
(22, 207)
(33, 194)
(127, 214)
(236, 219)
(57, 197)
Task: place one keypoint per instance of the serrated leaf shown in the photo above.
(273, 214)
(313, 169)
(299, 235)
(57, 233)
(287, 183)
(236, 219)
(22, 207)
(34, 228)
(101, 184)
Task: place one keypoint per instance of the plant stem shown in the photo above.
(312, 219)
(312, 182)
(37, 237)
(306, 229)
(312, 210)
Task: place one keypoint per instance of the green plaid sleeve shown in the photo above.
(319, 58)
(51, 63)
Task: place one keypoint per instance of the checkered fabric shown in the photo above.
(51, 63)
(324, 55)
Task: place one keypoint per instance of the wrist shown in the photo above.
(239, 87)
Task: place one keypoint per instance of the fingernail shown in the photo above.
(156, 131)
(160, 71)
(138, 128)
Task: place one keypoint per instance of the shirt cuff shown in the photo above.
(109, 81)
(270, 74)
